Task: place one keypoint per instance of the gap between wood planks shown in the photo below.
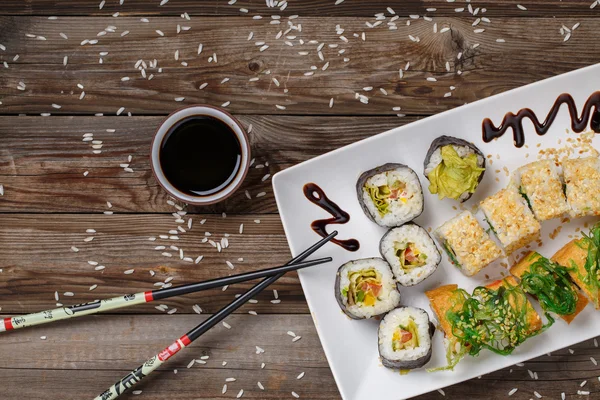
(218, 8)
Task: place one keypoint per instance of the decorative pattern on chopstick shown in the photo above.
(131, 379)
(144, 370)
(77, 310)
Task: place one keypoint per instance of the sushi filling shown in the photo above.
(383, 195)
(409, 255)
(365, 286)
(406, 336)
(455, 175)
(451, 254)
(524, 195)
(390, 195)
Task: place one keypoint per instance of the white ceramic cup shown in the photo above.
(191, 111)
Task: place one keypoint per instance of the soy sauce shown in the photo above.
(317, 196)
(590, 113)
(200, 155)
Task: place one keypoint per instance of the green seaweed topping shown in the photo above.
(456, 350)
(550, 283)
(524, 195)
(453, 357)
(591, 242)
(455, 175)
(493, 319)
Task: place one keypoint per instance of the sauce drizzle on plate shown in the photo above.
(317, 196)
(515, 121)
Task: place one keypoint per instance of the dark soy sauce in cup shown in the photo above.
(200, 155)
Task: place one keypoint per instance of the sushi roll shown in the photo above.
(366, 288)
(390, 195)
(541, 187)
(411, 253)
(510, 219)
(405, 338)
(467, 244)
(582, 180)
(454, 168)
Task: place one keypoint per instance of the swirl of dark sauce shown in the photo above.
(317, 196)
(515, 121)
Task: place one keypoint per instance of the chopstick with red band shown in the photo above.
(135, 376)
(79, 310)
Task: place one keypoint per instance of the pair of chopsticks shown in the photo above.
(135, 376)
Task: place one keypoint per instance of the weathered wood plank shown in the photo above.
(81, 358)
(112, 342)
(546, 8)
(42, 160)
(81, 384)
(201, 384)
(111, 345)
(38, 260)
(488, 69)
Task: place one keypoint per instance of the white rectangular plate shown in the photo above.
(351, 346)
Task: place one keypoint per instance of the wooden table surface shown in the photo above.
(54, 187)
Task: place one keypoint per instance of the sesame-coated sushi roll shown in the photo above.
(510, 219)
(467, 244)
(390, 195)
(542, 189)
(582, 179)
(454, 168)
(366, 288)
(411, 253)
(405, 338)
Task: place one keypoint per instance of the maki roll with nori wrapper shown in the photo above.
(411, 253)
(390, 195)
(366, 288)
(454, 168)
(405, 338)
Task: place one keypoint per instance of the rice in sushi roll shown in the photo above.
(366, 288)
(454, 168)
(411, 253)
(510, 219)
(405, 338)
(390, 195)
(467, 244)
(582, 179)
(540, 185)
